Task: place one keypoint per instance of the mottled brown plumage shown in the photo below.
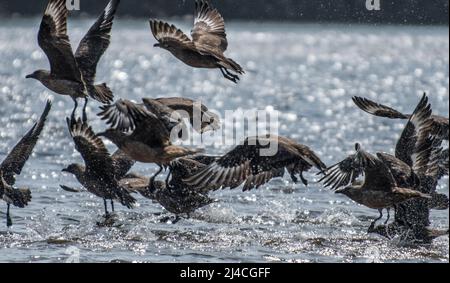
(122, 114)
(178, 197)
(248, 164)
(102, 171)
(144, 133)
(390, 180)
(208, 44)
(14, 163)
(74, 74)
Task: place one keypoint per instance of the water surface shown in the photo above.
(308, 73)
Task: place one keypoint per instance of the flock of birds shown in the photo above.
(142, 132)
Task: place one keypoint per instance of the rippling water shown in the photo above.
(306, 72)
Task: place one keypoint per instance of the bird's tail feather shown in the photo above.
(125, 198)
(235, 66)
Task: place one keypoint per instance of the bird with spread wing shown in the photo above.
(74, 74)
(207, 46)
(146, 132)
(249, 165)
(14, 163)
(390, 180)
(102, 172)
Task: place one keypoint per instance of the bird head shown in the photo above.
(345, 191)
(75, 169)
(163, 45)
(115, 136)
(38, 75)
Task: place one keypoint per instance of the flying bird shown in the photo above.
(176, 197)
(247, 164)
(208, 44)
(74, 74)
(14, 163)
(201, 119)
(144, 133)
(390, 180)
(101, 173)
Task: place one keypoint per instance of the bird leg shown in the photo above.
(375, 221)
(84, 109)
(112, 205)
(229, 76)
(75, 108)
(233, 76)
(157, 173)
(151, 185)
(388, 216)
(176, 220)
(294, 178)
(304, 181)
(168, 177)
(106, 208)
(9, 222)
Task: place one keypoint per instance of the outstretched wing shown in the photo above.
(426, 156)
(152, 126)
(245, 163)
(92, 149)
(170, 34)
(14, 162)
(209, 28)
(442, 157)
(55, 43)
(124, 115)
(377, 109)
(95, 42)
(416, 132)
(207, 121)
(360, 163)
(343, 173)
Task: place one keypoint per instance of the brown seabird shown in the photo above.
(144, 135)
(100, 175)
(246, 164)
(74, 74)
(177, 197)
(14, 163)
(390, 180)
(119, 116)
(208, 44)
(441, 123)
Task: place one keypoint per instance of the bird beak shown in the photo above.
(29, 76)
(157, 45)
(65, 170)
